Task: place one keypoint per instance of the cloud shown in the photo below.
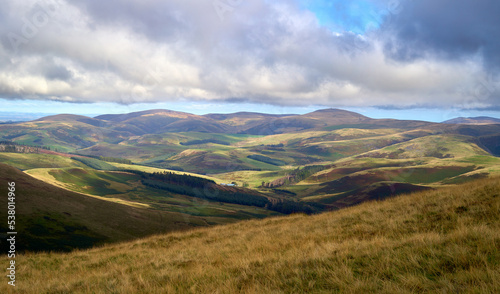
(446, 29)
(257, 51)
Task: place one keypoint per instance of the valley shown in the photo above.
(322, 161)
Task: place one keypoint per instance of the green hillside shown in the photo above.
(129, 189)
(428, 161)
(436, 241)
(26, 161)
(51, 218)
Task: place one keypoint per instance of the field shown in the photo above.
(446, 240)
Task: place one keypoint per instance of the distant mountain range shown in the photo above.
(68, 132)
(473, 120)
(160, 121)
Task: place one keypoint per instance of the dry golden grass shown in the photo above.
(445, 241)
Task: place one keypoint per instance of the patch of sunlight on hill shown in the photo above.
(31, 160)
(154, 169)
(44, 175)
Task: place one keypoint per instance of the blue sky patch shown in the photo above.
(356, 16)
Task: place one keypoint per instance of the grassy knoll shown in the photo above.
(446, 240)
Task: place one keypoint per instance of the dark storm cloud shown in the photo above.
(448, 29)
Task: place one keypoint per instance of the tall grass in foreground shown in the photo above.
(446, 240)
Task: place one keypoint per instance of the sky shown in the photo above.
(426, 59)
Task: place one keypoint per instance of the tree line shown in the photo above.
(266, 159)
(14, 147)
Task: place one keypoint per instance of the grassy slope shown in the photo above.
(439, 241)
(301, 148)
(150, 147)
(126, 188)
(430, 160)
(333, 144)
(86, 181)
(28, 161)
(454, 145)
(49, 217)
(64, 136)
(315, 136)
(433, 160)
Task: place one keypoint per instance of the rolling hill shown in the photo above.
(244, 120)
(52, 218)
(357, 157)
(73, 118)
(444, 240)
(161, 121)
(473, 120)
(147, 113)
(72, 133)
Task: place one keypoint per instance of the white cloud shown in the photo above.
(265, 52)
